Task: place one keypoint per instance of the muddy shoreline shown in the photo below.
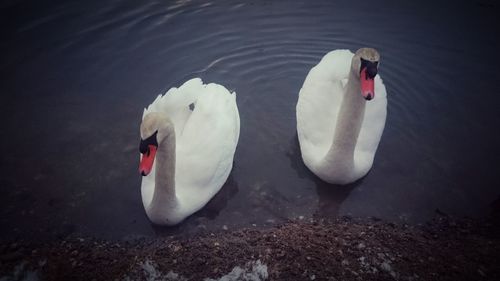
(342, 249)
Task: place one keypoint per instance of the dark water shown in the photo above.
(75, 77)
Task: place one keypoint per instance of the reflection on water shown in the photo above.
(330, 196)
(76, 75)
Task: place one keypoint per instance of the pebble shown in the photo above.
(481, 273)
(224, 227)
(385, 266)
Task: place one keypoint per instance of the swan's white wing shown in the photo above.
(175, 103)
(206, 147)
(319, 103)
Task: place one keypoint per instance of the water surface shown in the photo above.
(76, 76)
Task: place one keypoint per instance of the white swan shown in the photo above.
(192, 132)
(338, 130)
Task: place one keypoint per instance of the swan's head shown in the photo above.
(153, 131)
(365, 66)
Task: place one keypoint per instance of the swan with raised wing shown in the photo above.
(341, 115)
(188, 140)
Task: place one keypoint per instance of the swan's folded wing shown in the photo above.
(206, 147)
(319, 103)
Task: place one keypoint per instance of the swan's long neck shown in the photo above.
(164, 197)
(349, 121)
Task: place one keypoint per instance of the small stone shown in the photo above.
(312, 277)
(481, 272)
(224, 227)
(345, 262)
(216, 244)
(301, 217)
(361, 246)
(362, 260)
(385, 266)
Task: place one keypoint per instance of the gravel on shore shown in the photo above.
(341, 249)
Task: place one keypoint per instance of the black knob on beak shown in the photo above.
(371, 70)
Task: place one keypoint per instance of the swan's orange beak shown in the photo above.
(367, 84)
(147, 160)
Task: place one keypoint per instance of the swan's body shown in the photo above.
(197, 129)
(338, 130)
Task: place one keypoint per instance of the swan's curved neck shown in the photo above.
(349, 121)
(164, 197)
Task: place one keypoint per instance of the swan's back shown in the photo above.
(207, 127)
(318, 106)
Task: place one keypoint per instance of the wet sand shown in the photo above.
(342, 249)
